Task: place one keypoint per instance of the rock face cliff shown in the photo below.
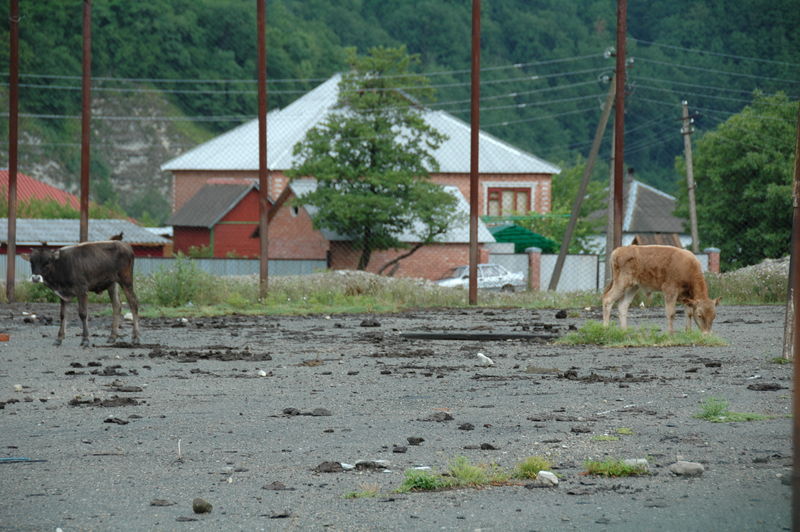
(133, 134)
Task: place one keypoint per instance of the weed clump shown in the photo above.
(614, 468)
(715, 410)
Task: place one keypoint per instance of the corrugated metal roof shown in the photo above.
(457, 235)
(210, 204)
(238, 148)
(29, 188)
(64, 232)
(645, 210)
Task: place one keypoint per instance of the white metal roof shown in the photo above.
(237, 149)
(459, 234)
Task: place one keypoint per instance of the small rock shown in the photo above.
(485, 361)
(321, 412)
(161, 502)
(276, 486)
(561, 314)
(439, 417)
(201, 506)
(414, 440)
(370, 322)
(687, 469)
(466, 426)
(637, 462)
(399, 449)
(488, 447)
(329, 467)
(546, 479)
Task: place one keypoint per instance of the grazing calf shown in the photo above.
(74, 271)
(675, 272)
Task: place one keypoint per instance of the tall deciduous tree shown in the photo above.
(372, 155)
(743, 174)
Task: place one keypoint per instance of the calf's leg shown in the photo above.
(113, 292)
(63, 322)
(670, 298)
(133, 303)
(627, 297)
(83, 314)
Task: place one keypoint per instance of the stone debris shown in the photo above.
(201, 506)
(546, 479)
(687, 469)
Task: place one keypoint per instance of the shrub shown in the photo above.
(531, 466)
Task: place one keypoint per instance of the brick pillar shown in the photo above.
(713, 259)
(483, 255)
(534, 268)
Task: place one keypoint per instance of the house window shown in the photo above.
(506, 201)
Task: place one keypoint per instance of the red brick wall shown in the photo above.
(429, 262)
(542, 194)
(186, 183)
(185, 237)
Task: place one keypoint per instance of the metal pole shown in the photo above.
(795, 291)
(86, 116)
(263, 190)
(587, 172)
(474, 147)
(13, 142)
(687, 131)
(610, 223)
(619, 121)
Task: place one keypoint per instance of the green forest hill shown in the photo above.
(169, 74)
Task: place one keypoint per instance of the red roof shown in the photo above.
(28, 188)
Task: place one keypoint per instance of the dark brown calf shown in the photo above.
(74, 271)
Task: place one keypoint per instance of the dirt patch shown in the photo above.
(225, 354)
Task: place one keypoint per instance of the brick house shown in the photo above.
(511, 181)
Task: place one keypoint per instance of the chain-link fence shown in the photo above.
(174, 142)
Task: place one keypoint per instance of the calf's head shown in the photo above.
(42, 262)
(704, 311)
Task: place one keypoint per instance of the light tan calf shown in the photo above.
(675, 272)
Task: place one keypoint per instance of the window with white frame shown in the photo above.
(504, 201)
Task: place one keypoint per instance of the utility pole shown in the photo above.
(474, 133)
(610, 223)
(86, 118)
(619, 120)
(687, 131)
(13, 144)
(263, 170)
(587, 172)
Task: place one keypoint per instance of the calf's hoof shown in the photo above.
(85, 342)
(57, 342)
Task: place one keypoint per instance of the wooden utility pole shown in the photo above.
(619, 120)
(475, 124)
(687, 131)
(263, 181)
(794, 293)
(86, 118)
(587, 172)
(13, 145)
(610, 223)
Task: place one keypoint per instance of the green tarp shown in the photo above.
(523, 238)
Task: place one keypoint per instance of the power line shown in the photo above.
(509, 122)
(708, 52)
(312, 80)
(725, 72)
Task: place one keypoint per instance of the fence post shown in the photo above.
(713, 259)
(534, 268)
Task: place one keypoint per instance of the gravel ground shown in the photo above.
(242, 411)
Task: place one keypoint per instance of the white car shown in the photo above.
(490, 277)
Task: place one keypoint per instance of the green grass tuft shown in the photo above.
(625, 431)
(715, 410)
(531, 466)
(593, 332)
(614, 468)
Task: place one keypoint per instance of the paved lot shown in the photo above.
(229, 409)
